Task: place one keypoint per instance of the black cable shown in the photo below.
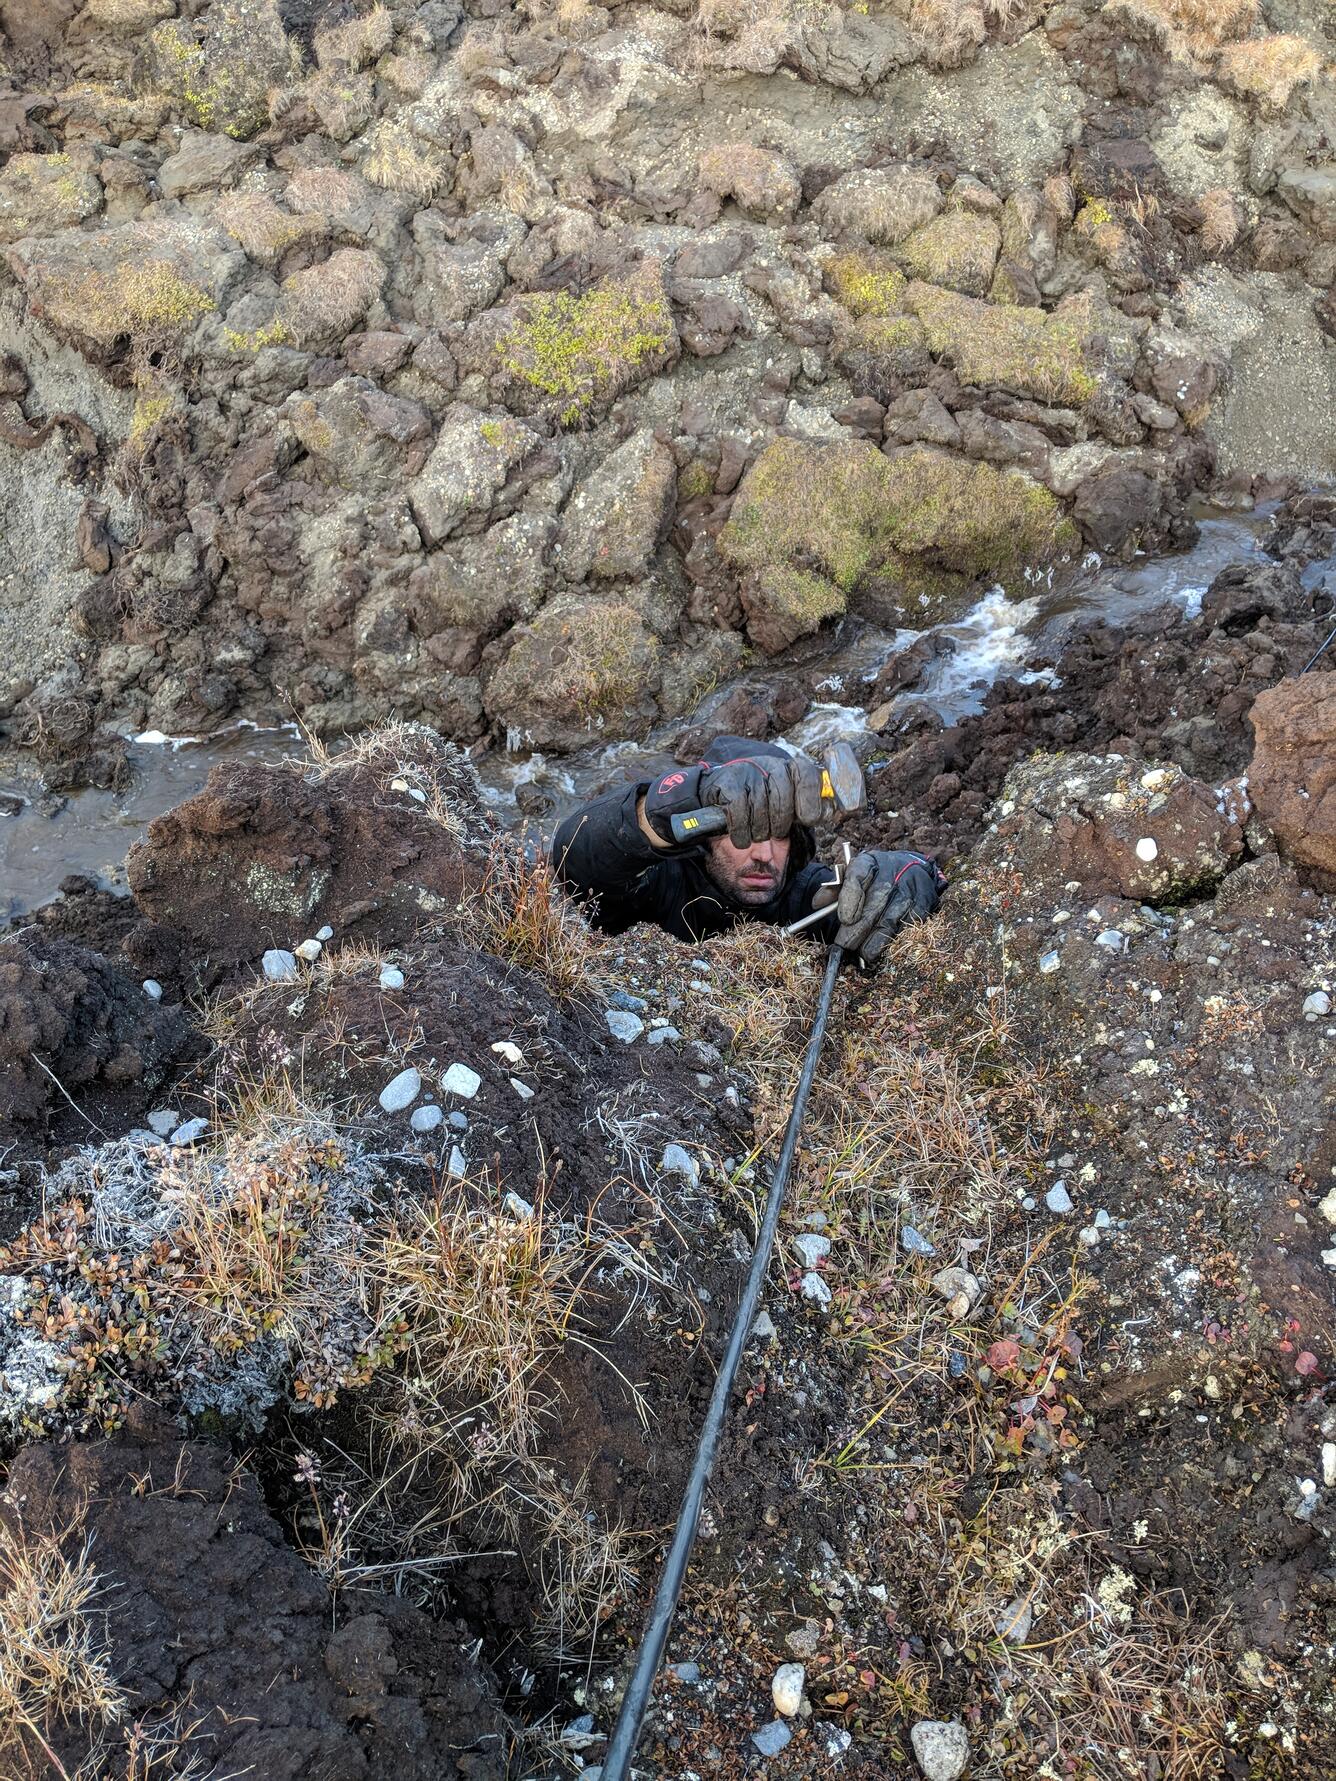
(1319, 654)
(626, 1732)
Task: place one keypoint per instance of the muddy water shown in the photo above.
(45, 838)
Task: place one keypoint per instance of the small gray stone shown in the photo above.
(1057, 1199)
(152, 989)
(772, 1738)
(687, 1672)
(144, 1138)
(460, 1121)
(459, 1166)
(192, 1129)
(836, 1738)
(815, 1289)
(812, 1248)
(941, 1748)
(391, 977)
(515, 1207)
(1013, 1623)
(580, 1733)
(401, 1091)
(805, 1640)
(914, 1241)
(522, 1089)
(426, 1119)
(624, 1026)
(1111, 940)
(279, 965)
(309, 950)
(1049, 963)
(1102, 1220)
(325, 934)
(679, 1161)
(164, 1121)
(961, 1289)
(1319, 1003)
(763, 1330)
(630, 1004)
(663, 1036)
(1029, 1203)
(460, 1080)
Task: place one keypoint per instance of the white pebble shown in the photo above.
(679, 1161)
(460, 1080)
(324, 934)
(786, 1690)
(1057, 1199)
(1147, 849)
(279, 965)
(623, 1025)
(164, 1121)
(812, 1248)
(511, 1053)
(514, 1207)
(1049, 963)
(459, 1166)
(309, 950)
(1329, 1463)
(152, 989)
(815, 1288)
(187, 1133)
(941, 1748)
(522, 1089)
(426, 1119)
(401, 1091)
(1318, 1003)
(391, 977)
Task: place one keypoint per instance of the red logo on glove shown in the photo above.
(666, 785)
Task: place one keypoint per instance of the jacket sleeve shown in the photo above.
(602, 856)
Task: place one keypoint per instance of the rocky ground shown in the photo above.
(530, 370)
(369, 1229)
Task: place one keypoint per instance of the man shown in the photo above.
(618, 855)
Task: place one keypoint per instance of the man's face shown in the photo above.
(749, 875)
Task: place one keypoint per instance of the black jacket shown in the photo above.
(602, 856)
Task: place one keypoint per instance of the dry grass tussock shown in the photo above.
(1269, 70)
(952, 31)
(55, 1671)
(324, 301)
(358, 43)
(264, 232)
(54, 1667)
(396, 160)
(1223, 220)
(522, 916)
(1191, 30)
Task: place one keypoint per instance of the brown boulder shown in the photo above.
(1108, 824)
(268, 853)
(1292, 780)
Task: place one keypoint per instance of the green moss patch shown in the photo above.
(571, 355)
(818, 528)
(221, 73)
(1029, 352)
(866, 284)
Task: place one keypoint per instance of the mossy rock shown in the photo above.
(958, 250)
(820, 528)
(866, 283)
(582, 668)
(42, 194)
(1028, 352)
(150, 282)
(220, 72)
(569, 357)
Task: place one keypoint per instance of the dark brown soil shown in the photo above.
(209, 1614)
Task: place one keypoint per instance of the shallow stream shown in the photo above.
(48, 836)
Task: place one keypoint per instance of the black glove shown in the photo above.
(880, 893)
(763, 797)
